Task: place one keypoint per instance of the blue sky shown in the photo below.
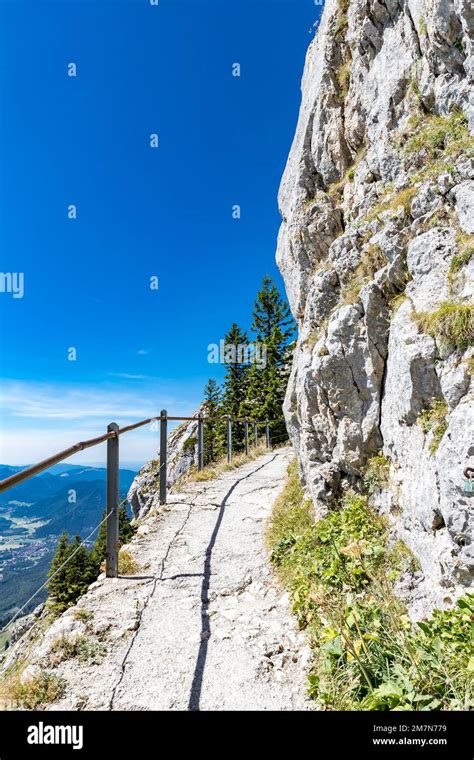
(141, 212)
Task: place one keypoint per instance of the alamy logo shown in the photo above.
(42, 734)
(242, 353)
(12, 282)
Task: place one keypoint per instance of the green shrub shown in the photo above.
(452, 324)
(433, 420)
(367, 653)
(80, 648)
(376, 473)
(189, 446)
(127, 565)
(32, 693)
(82, 614)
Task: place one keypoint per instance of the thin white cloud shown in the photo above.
(38, 419)
(35, 402)
(56, 402)
(127, 376)
(24, 447)
(142, 352)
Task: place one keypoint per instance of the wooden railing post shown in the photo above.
(200, 442)
(255, 434)
(229, 439)
(112, 522)
(163, 454)
(267, 434)
(246, 435)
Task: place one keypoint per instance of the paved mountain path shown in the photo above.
(203, 625)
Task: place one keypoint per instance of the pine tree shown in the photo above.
(78, 571)
(57, 584)
(272, 317)
(73, 579)
(213, 424)
(126, 529)
(235, 382)
(266, 387)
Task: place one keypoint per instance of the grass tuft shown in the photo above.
(452, 324)
(127, 565)
(465, 244)
(376, 474)
(80, 648)
(344, 78)
(439, 135)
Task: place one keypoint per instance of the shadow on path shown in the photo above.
(196, 687)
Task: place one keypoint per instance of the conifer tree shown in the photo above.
(235, 382)
(57, 584)
(267, 383)
(272, 317)
(78, 571)
(212, 426)
(126, 529)
(83, 568)
(98, 551)
(73, 579)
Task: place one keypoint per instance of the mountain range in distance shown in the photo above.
(54, 483)
(33, 515)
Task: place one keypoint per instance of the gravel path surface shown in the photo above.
(203, 625)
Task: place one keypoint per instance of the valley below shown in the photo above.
(33, 515)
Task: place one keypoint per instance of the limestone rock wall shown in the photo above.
(377, 203)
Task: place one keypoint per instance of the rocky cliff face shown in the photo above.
(375, 249)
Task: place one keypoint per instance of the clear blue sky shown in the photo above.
(141, 212)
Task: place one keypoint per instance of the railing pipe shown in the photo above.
(246, 427)
(163, 455)
(229, 439)
(200, 442)
(112, 523)
(35, 469)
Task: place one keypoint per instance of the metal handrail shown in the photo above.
(28, 472)
(35, 469)
(112, 438)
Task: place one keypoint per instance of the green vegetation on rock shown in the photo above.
(465, 252)
(452, 324)
(376, 474)
(368, 655)
(372, 259)
(438, 135)
(433, 420)
(32, 693)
